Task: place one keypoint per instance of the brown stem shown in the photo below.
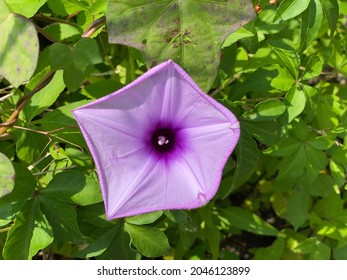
(94, 26)
(52, 19)
(46, 79)
(4, 229)
(91, 29)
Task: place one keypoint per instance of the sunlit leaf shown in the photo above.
(30, 233)
(26, 8)
(75, 61)
(331, 11)
(45, 97)
(185, 31)
(7, 176)
(62, 217)
(248, 221)
(149, 241)
(266, 110)
(74, 187)
(296, 102)
(19, 48)
(144, 219)
(312, 20)
(290, 8)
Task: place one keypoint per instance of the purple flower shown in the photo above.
(159, 143)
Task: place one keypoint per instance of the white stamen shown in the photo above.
(162, 140)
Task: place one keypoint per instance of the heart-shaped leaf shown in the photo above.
(19, 47)
(6, 175)
(74, 60)
(189, 32)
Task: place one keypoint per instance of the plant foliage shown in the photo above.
(283, 73)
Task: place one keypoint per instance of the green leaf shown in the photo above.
(247, 221)
(307, 246)
(267, 132)
(322, 252)
(263, 57)
(175, 30)
(149, 241)
(74, 187)
(296, 100)
(331, 11)
(144, 219)
(213, 237)
(313, 68)
(62, 217)
(257, 82)
(329, 207)
(64, 124)
(338, 173)
(266, 110)
(177, 216)
(27, 8)
(285, 148)
(30, 144)
(185, 241)
(120, 247)
(292, 165)
(316, 158)
(301, 129)
(101, 88)
(247, 157)
(4, 10)
(237, 35)
(287, 56)
(24, 185)
(317, 249)
(340, 253)
(284, 80)
(298, 206)
(67, 7)
(7, 176)
(273, 252)
(45, 97)
(30, 233)
(327, 117)
(312, 20)
(99, 245)
(93, 214)
(75, 61)
(62, 32)
(321, 142)
(290, 8)
(79, 157)
(19, 49)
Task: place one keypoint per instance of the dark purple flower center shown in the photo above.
(163, 140)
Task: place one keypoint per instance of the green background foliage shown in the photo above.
(283, 193)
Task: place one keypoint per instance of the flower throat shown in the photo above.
(163, 140)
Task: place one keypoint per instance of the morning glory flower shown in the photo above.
(159, 143)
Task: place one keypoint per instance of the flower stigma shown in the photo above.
(163, 140)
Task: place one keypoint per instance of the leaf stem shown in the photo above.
(94, 26)
(4, 229)
(52, 19)
(53, 170)
(225, 84)
(24, 100)
(91, 29)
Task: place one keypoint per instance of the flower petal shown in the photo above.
(160, 185)
(135, 178)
